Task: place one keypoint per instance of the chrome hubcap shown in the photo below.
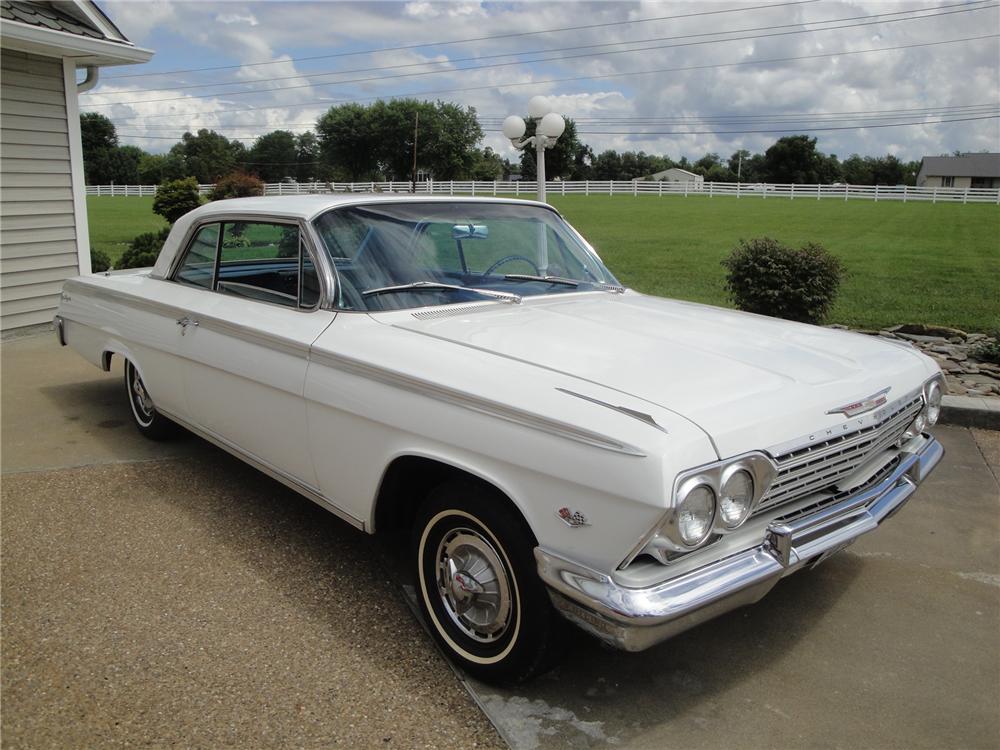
(139, 395)
(474, 585)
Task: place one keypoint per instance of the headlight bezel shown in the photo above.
(664, 540)
(929, 413)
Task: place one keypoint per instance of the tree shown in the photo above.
(273, 156)
(376, 142)
(151, 169)
(102, 162)
(97, 134)
(487, 165)
(793, 159)
(207, 155)
(347, 141)
(307, 157)
(175, 198)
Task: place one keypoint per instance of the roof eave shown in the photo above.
(84, 50)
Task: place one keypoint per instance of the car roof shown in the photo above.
(310, 206)
(305, 207)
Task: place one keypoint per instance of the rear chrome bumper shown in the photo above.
(635, 619)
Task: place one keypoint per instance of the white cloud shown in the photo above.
(945, 75)
(231, 18)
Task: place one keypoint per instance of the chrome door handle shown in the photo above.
(185, 322)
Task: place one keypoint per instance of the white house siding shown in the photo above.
(957, 182)
(38, 241)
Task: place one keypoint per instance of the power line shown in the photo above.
(772, 116)
(802, 121)
(640, 133)
(570, 79)
(538, 60)
(965, 8)
(770, 130)
(468, 41)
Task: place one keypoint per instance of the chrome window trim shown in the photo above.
(327, 279)
(335, 278)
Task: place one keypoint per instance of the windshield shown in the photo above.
(391, 256)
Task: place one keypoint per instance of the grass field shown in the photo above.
(907, 263)
(114, 222)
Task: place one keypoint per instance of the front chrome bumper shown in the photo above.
(635, 619)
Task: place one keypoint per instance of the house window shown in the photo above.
(947, 182)
(985, 182)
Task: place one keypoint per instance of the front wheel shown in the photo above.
(477, 585)
(147, 419)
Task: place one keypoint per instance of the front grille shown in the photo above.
(819, 466)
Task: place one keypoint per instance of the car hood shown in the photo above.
(749, 381)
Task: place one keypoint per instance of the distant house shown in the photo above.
(965, 171)
(675, 174)
(43, 210)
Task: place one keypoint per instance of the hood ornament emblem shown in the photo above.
(862, 405)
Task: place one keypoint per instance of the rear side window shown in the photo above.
(198, 266)
(262, 261)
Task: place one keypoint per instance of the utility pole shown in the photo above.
(413, 176)
(739, 168)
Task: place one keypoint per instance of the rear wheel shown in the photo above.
(477, 585)
(147, 419)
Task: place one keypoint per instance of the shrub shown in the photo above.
(175, 198)
(769, 278)
(236, 185)
(99, 261)
(143, 250)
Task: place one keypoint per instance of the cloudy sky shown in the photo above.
(673, 78)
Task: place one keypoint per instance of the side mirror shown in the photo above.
(470, 232)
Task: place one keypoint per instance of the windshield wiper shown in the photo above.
(549, 279)
(419, 286)
(614, 288)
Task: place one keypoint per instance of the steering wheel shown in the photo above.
(510, 258)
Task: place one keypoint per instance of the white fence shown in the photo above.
(526, 189)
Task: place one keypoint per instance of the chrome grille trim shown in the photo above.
(819, 466)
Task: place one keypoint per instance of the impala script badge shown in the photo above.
(573, 518)
(860, 407)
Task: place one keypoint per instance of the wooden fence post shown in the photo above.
(876, 193)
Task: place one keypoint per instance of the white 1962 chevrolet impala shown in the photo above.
(467, 374)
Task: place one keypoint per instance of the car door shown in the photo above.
(246, 341)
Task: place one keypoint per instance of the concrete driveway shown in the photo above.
(166, 594)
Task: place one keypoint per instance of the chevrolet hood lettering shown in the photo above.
(864, 405)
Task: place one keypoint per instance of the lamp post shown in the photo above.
(547, 131)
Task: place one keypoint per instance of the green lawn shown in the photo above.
(907, 263)
(115, 221)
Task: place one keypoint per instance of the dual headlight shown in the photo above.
(716, 498)
(931, 411)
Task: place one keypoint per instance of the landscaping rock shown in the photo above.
(954, 351)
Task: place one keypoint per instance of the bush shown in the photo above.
(769, 278)
(99, 261)
(143, 250)
(175, 198)
(236, 185)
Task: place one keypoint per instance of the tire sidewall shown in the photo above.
(468, 504)
(156, 426)
(466, 648)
